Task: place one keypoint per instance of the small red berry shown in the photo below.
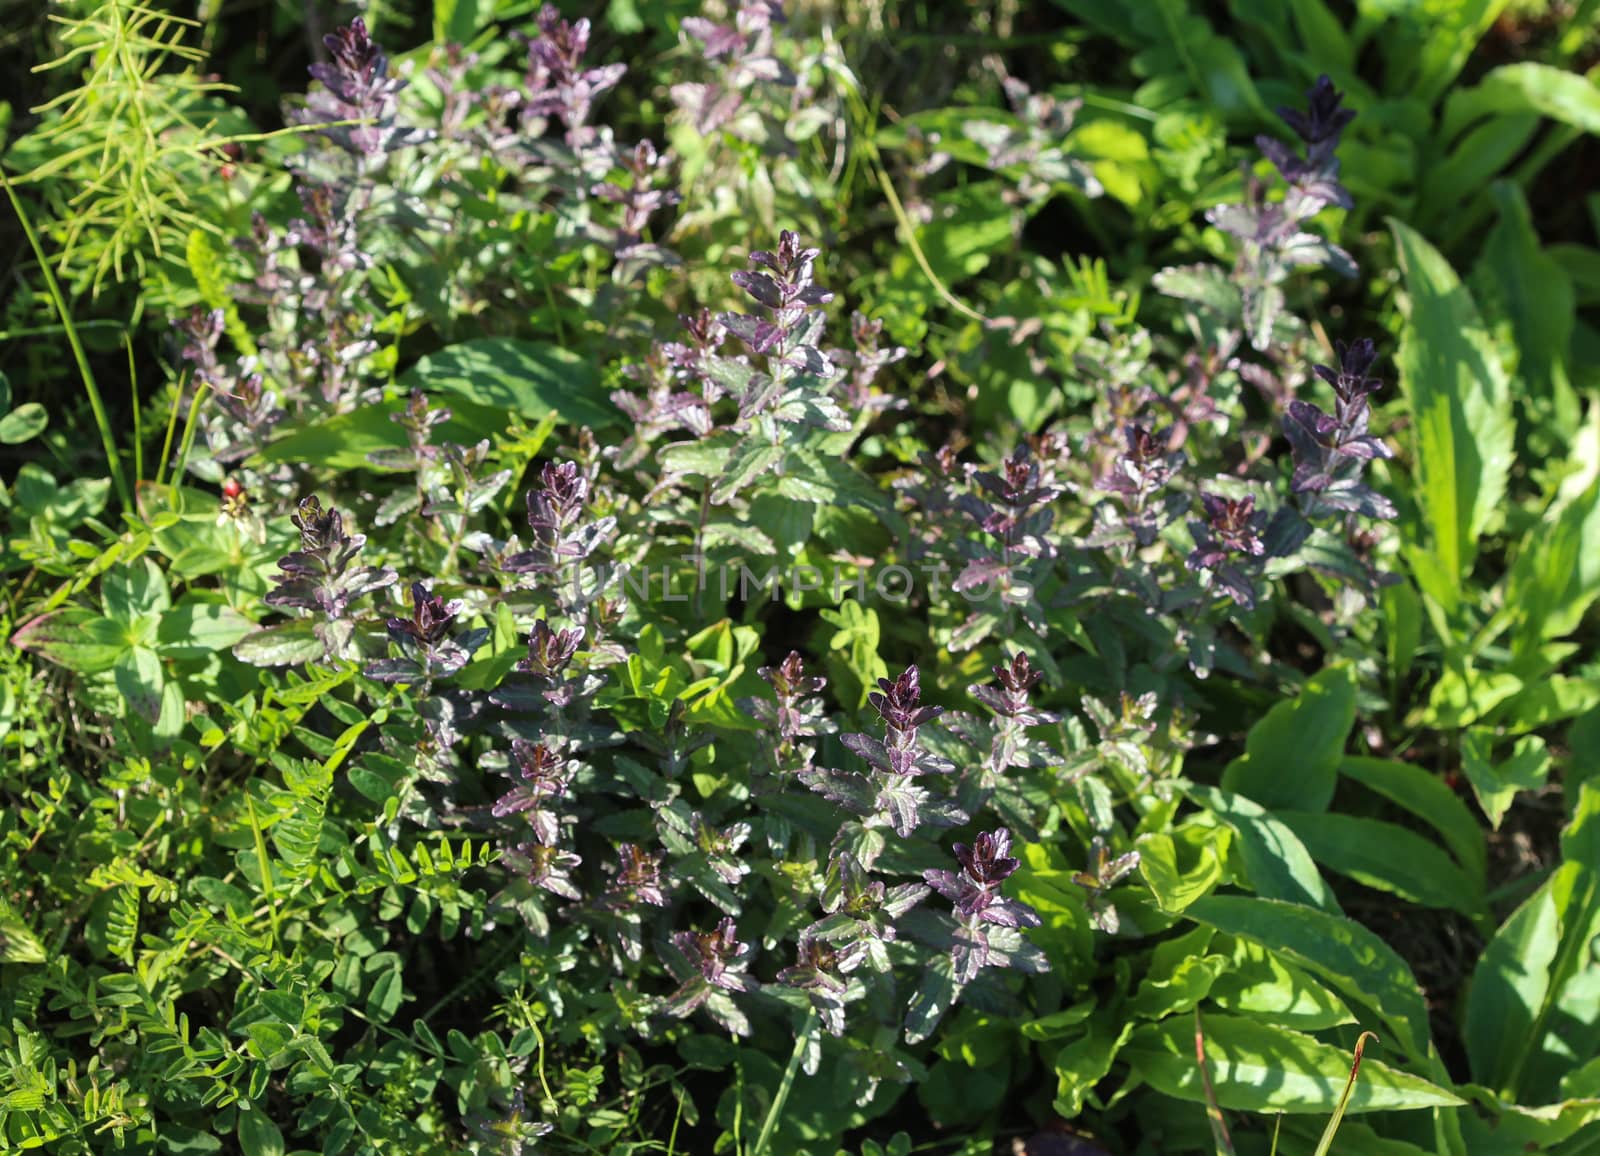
(231, 488)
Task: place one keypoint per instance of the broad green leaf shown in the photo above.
(1386, 857)
(1189, 982)
(1173, 886)
(286, 644)
(1426, 44)
(259, 1136)
(1533, 991)
(140, 681)
(23, 423)
(1256, 1067)
(1527, 87)
(1496, 783)
(1502, 1127)
(1277, 863)
(1555, 578)
(74, 637)
(507, 375)
(1084, 1063)
(1263, 986)
(1425, 796)
(132, 591)
(1044, 883)
(1291, 757)
(1460, 403)
(1517, 280)
(18, 943)
(193, 629)
(1353, 960)
(383, 999)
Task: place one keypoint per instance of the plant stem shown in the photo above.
(785, 1086)
(100, 418)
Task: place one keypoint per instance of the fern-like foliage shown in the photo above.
(122, 158)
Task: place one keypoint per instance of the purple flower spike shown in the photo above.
(975, 889)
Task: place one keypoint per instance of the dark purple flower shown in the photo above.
(356, 86)
(558, 83)
(975, 889)
(819, 971)
(637, 878)
(1324, 119)
(545, 777)
(1232, 526)
(550, 651)
(319, 576)
(1010, 698)
(897, 703)
(547, 867)
(430, 621)
(717, 955)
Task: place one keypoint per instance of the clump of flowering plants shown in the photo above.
(723, 683)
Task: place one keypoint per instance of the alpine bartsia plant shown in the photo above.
(428, 650)
(322, 579)
(1331, 451)
(741, 56)
(796, 714)
(635, 882)
(823, 973)
(559, 86)
(1141, 474)
(975, 894)
(545, 775)
(1228, 545)
(786, 333)
(1003, 743)
(888, 794)
(1271, 234)
(1012, 507)
(710, 967)
(859, 911)
(357, 87)
(563, 536)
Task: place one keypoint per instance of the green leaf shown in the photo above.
(1291, 757)
(1386, 857)
(1460, 401)
(1174, 887)
(1533, 993)
(23, 423)
(1259, 1068)
(18, 943)
(1189, 982)
(384, 998)
(259, 1136)
(75, 638)
(749, 463)
(1426, 45)
(506, 375)
(194, 629)
(1342, 952)
(139, 681)
(1516, 279)
(132, 591)
(1497, 784)
(286, 644)
(1085, 1062)
(1425, 796)
(1263, 986)
(1277, 863)
(1528, 87)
